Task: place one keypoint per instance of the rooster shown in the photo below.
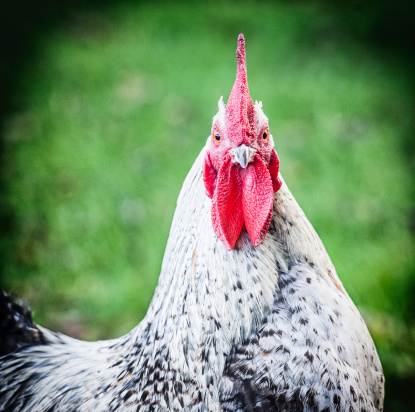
(248, 315)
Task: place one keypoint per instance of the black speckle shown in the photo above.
(308, 280)
(292, 291)
(245, 371)
(309, 356)
(239, 284)
(272, 332)
(336, 401)
(329, 385)
(303, 321)
(178, 387)
(205, 355)
(354, 397)
(283, 348)
(129, 394)
(158, 364)
(226, 297)
(166, 397)
(144, 396)
(310, 395)
(296, 309)
(241, 350)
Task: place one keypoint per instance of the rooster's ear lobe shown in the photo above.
(209, 176)
(274, 167)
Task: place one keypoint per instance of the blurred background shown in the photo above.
(105, 105)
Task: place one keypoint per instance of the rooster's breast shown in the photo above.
(313, 353)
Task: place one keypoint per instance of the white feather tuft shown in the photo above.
(220, 115)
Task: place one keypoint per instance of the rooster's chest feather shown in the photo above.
(311, 351)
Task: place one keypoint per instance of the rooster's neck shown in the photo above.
(209, 299)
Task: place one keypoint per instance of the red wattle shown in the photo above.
(274, 166)
(209, 176)
(227, 213)
(257, 199)
(241, 196)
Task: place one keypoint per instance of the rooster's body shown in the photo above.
(246, 316)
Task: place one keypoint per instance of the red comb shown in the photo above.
(240, 112)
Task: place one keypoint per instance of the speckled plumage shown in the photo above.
(251, 329)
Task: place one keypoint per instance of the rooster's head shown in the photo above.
(240, 169)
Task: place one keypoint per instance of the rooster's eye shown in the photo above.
(216, 135)
(265, 135)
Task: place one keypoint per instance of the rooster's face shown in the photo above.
(240, 170)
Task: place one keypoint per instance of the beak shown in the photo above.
(242, 155)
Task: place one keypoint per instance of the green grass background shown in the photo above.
(114, 104)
